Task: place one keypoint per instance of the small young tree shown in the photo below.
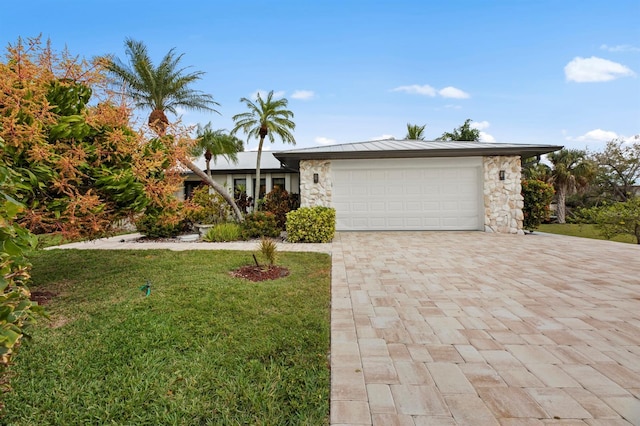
(537, 197)
(622, 218)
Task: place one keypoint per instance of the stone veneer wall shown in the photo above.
(315, 194)
(503, 200)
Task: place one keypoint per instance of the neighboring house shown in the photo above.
(415, 185)
(243, 174)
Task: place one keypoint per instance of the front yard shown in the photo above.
(202, 348)
(581, 230)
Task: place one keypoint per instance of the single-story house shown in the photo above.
(415, 185)
(242, 175)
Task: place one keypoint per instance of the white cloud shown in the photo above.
(303, 94)
(620, 48)
(416, 89)
(453, 106)
(452, 92)
(593, 69)
(426, 90)
(263, 94)
(324, 141)
(596, 135)
(382, 137)
(180, 111)
(480, 125)
(486, 137)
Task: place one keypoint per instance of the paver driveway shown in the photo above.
(473, 328)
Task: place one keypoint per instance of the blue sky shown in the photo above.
(543, 71)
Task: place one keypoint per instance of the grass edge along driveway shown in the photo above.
(202, 348)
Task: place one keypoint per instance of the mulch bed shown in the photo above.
(42, 297)
(260, 273)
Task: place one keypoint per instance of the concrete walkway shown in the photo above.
(470, 328)
(129, 242)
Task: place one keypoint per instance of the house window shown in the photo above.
(240, 184)
(278, 183)
(263, 187)
(190, 186)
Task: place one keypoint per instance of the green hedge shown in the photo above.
(311, 225)
(260, 224)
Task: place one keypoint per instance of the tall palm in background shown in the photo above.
(216, 143)
(164, 88)
(415, 132)
(266, 117)
(571, 170)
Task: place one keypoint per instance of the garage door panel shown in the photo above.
(377, 190)
(396, 206)
(420, 194)
(359, 207)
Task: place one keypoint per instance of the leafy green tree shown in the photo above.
(17, 312)
(621, 218)
(462, 133)
(571, 171)
(216, 143)
(415, 132)
(266, 117)
(164, 88)
(537, 198)
(80, 165)
(618, 169)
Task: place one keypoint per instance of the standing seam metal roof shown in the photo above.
(392, 148)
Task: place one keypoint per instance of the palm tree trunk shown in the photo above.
(215, 185)
(561, 208)
(209, 169)
(258, 171)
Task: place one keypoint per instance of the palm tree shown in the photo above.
(415, 132)
(267, 117)
(571, 170)
(215, 143)
(533, 169)
(164, 88)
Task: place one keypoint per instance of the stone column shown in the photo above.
(315, 194)
(503, 200)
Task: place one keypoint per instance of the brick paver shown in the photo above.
(458, 328)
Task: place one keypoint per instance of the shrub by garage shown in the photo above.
(311, 225)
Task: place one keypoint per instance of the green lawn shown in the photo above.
(582, 230)
(203, 348)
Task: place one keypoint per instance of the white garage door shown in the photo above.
(408, 194)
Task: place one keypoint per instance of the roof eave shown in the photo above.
(292, 159)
